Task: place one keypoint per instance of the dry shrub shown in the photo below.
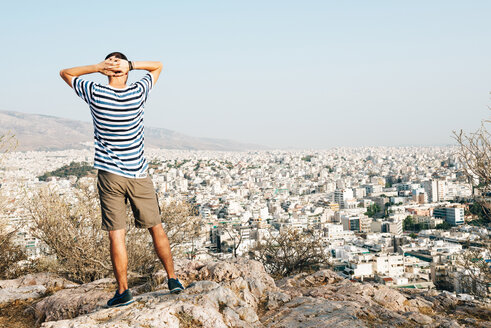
(475, 156)
(10, 254)
(476, 277)
(289, 252)
(182, 225)
(70, 225)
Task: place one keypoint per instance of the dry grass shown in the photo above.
(187, 321)
(14, 315)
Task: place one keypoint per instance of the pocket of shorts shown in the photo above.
(158, 205)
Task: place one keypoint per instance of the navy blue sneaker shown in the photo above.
(121, 299)
(175, 286)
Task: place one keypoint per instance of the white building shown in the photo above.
(343, 195)
(390, 264)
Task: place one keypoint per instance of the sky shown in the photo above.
(285, 74)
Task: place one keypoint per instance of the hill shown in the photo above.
(44, 132)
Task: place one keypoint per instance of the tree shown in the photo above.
(235, 236)
(289, 252)
(476, 271)
(443, 226)
(386, 209)
(74, 168)
(372, 210)
(421, 226)
(475, 156)
(408, 223)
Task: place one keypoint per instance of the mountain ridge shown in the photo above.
(46, 132)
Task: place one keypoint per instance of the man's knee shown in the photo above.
(117, 235)
(155, 228)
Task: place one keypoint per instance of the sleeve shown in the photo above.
(83, 88)
(146, 84)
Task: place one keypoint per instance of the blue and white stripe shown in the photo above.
(118, 124)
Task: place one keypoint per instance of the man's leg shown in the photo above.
(162, 248)
(119, 258)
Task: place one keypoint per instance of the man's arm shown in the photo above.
(153, 67)
(106, 67)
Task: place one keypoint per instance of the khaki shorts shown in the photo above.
(114, 190)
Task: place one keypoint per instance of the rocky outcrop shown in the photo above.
(241, 294)
(220, 294)
(335, 301)
(31, 286)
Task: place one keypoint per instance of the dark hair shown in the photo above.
(117, 55)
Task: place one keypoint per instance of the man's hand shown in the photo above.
(107, 67)
(114, 67)
(122, 66)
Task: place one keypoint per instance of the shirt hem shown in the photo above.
(130, 176)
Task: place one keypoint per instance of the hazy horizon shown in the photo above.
(287, 75)
(26, 141)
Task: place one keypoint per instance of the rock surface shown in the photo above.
(31, 286)
(72, 302)
(241, 294)
(220, 294)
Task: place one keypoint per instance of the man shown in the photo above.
(117, 113)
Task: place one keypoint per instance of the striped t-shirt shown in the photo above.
(118, 124)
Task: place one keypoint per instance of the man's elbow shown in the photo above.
(63, 74)
(66, 77)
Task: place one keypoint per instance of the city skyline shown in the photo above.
(280, 74)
